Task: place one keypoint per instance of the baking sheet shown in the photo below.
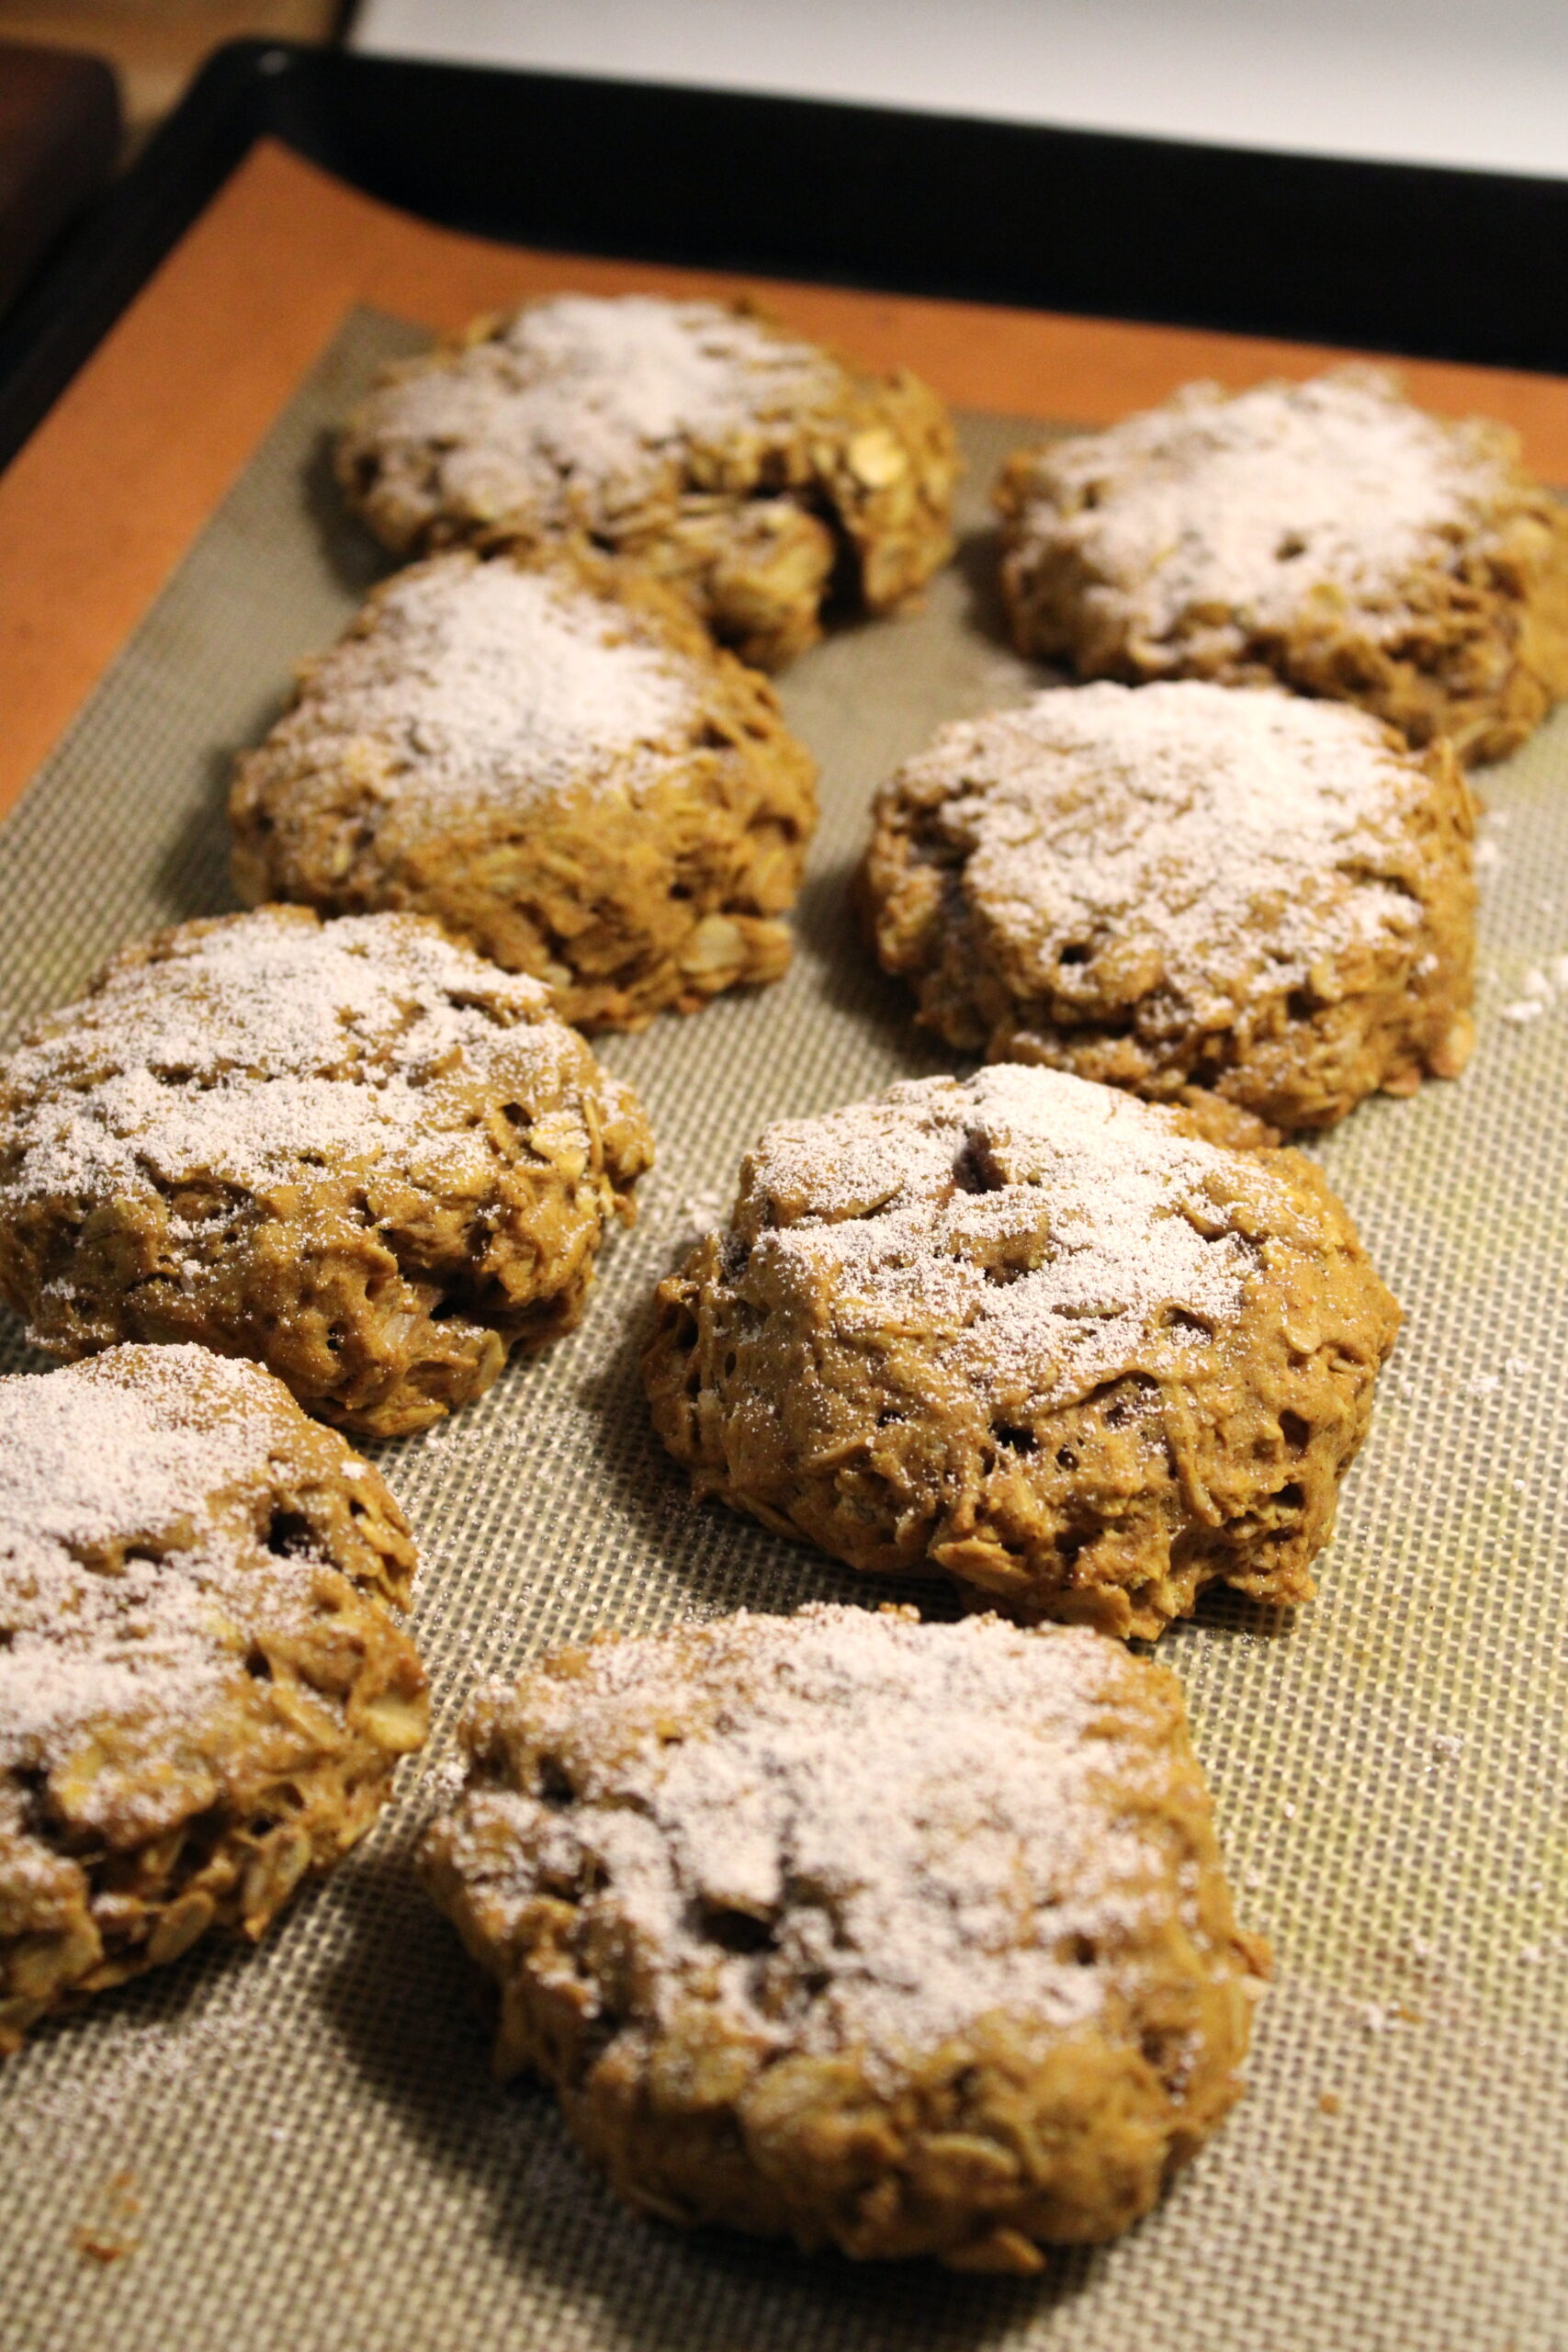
(302, 2147)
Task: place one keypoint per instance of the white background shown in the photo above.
(1438, 81)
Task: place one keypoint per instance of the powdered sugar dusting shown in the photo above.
(481, 682)
(257, 1050)
(1120, 1240)
(1218, 512)
(220, 2042)
(574, 409)
(918, 1819)
(117, 1588)
(1191, 829)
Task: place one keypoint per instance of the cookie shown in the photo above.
(749, 469)
(352, 1150)
(1187, 885)
(1059, 1345)
(910, 1939)
(554, 762)
(204, 1693)
(1326, 534)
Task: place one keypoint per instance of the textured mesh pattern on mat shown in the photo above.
(302, 2147)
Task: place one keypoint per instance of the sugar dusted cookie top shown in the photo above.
(791, 1909)
(1186, 884)
(1189, 826)
(544, 751)
(137, 1494)
(477, 686)
(892, 1806)
(1216, 505)
(1056, 1233)
(1326, 534)
(266, 1048)
(203, 1696)
(488, 681)
(574, 402)
(1079, 1352)
(751, 469)
(354, 1151)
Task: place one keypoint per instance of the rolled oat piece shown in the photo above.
(1187, 885)
(1084, 1355)
(753, 470)
(351, 1150)
(204, 1691)
(550, 759)
(905, 1938)
(1326, 534)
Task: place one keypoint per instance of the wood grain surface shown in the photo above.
(99, 507)
(157, 46)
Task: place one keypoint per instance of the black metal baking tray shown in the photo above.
(1432, 263)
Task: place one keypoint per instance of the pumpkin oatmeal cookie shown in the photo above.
(1187, 885)
(1326, 534)
(753, 470)
(1075, 1352)
(351, 1150)
(551, 759)
(902, 1938)
(204, 1693)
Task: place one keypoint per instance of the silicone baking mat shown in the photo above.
(302, 2147)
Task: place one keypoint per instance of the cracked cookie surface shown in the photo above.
(204, 1693)
(753, 471)
(1326, 534)
(1078, 1352)
(352, 1150)
(908, 1938)
(551, 760)
(1186, 885)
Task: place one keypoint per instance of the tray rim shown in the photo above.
(1417, 260)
